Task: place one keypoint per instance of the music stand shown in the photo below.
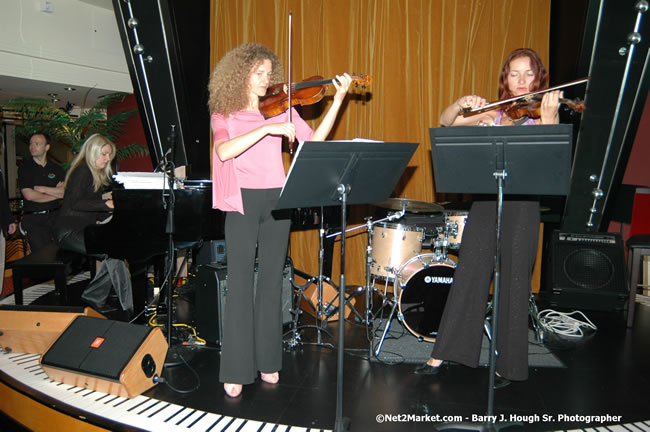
(530, 160)
(333, 173)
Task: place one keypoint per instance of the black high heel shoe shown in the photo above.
(427, 369)
(501, 382)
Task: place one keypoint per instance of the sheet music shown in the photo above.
(142, 180)
(293, 161)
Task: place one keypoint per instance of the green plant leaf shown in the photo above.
(41, 115)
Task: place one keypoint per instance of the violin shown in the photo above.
(503, 104)
(307, 92)
(532, 107)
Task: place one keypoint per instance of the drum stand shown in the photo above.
(440, 253)
(368, 288)
(319, 311)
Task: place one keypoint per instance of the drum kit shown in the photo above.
(420, 280)
(412, 257)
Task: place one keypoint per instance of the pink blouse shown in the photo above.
(259, 167)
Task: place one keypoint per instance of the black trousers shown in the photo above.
(461, 329)
(113, 273)
(252, 321)
(39, 229)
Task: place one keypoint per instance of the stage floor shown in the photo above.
(605, 375)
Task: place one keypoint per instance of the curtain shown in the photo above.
(422, 55)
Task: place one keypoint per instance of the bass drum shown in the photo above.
(424, 284)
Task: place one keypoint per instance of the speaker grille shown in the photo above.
(73, 350)
(589, 269)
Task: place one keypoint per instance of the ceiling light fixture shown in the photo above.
(69, 88)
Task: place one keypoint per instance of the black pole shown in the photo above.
(341, 424)
(495, 304)
(173, 358)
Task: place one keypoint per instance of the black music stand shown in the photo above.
(527, 160)
(333, 173)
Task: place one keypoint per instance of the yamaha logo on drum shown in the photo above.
(438, 280)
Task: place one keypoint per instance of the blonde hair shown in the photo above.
(228, 84)
(90, 152)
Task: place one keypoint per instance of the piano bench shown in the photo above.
(48, 262)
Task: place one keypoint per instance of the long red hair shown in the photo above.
(538, 68)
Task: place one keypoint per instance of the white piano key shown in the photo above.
(164, 414)
(141, 412)
(34, 292)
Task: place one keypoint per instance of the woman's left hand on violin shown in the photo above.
(342, 85)
(549, 107)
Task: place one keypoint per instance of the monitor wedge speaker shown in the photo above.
(32, 329)
(108, 356)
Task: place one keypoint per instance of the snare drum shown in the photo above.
(392, 245)
(454, 225)
(424, 285)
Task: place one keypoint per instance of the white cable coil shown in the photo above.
(565, 324)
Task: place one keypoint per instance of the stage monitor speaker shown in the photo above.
(32, 329)
(211, 291)
(588, 271)
(108, 356)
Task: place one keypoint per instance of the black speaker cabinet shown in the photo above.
(211, 252)
(211, 291)
(109, 356)
(33, 329)
(588, 271)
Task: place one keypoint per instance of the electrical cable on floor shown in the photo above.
(564, 324)
(197, 379)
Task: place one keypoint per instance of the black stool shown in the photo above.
(47, 262)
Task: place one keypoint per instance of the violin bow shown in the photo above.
(289, 90)
(487, 107)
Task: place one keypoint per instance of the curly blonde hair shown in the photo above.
(228, 84)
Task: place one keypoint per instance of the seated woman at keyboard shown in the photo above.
(83, 205)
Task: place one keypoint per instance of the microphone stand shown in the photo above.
(169, 200)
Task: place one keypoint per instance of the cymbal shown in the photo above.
(410, 205)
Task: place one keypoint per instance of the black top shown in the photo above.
(6, 217)
(82, 206)
(31, 174)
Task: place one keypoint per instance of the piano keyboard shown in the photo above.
(140, 412)
(32, 293)
(628, 427)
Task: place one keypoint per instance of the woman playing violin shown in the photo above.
(248, 175)
(461, 328)
(523, 72)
